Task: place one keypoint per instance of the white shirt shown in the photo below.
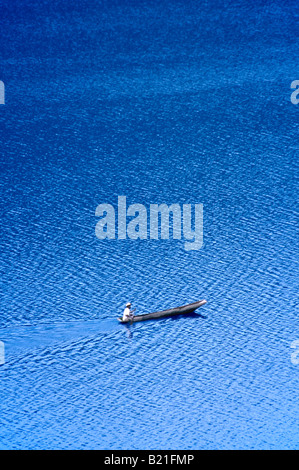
(127, 313)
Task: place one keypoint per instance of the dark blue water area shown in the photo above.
(173, 102)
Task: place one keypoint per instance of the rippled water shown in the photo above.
(167, 103)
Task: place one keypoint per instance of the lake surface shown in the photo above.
(173, 102)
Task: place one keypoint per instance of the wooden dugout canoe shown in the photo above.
(189, 308)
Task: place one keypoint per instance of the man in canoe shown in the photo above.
(128, 313)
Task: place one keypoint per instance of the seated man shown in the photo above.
(128, 313)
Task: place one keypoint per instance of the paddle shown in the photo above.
(132, 315)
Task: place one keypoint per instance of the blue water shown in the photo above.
(163, 102)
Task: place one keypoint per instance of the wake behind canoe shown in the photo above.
(184, 309)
